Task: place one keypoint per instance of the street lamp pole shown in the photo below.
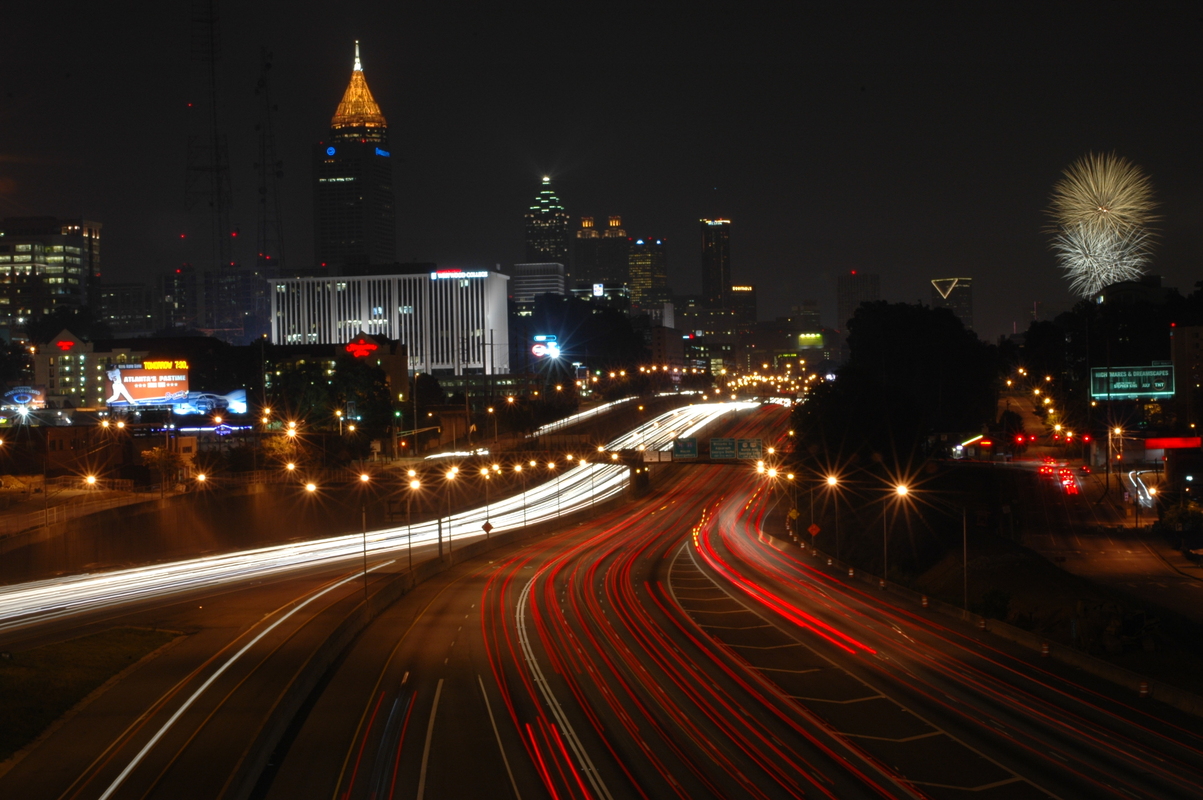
(365, 552)
(409, 520)
(484, 473)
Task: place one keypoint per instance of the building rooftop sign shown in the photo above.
(448, 274)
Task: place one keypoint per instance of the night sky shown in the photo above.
(913, 143)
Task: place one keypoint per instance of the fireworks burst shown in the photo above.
(1102, 208)
(1105, 191)
(1094, 257)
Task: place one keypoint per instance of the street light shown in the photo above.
(494, 416)
(900, 491)
(484, 473)
(518, 469)
(364, 478)
(451, 473)
(833, 484)
(414, 485)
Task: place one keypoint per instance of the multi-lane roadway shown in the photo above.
(667, 647)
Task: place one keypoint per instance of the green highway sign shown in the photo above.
(722, 448)
(748, 448)
(685, 448)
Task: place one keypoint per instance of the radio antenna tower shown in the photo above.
(270, 239)
(207, 184)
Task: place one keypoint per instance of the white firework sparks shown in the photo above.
(1094, 257)
(1102, 208)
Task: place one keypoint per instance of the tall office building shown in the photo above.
(743, 303)
(46, 263)
(547, 228)
(716, 262)
(955, 294)
(128, 308)
(528, 281)
(582, 254)
(851, 290)
(452, 321)
(598, 255)
(648, 265)
(354, 213)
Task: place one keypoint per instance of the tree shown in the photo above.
(912, 371)
(165, 462)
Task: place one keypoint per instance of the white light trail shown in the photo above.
(578, 488)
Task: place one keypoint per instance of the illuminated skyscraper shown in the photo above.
(597, 254)
(354, 213)
(46, 263)
(648, 264)
(955, 294)
(547, 228)
(716, 262)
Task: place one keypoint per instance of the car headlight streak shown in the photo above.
(578, 488)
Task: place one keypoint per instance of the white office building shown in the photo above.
(452, 321)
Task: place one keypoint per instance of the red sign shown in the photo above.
(813, 530)
(487, 527)
(362, 348)
(1174, 443)
(64, 346)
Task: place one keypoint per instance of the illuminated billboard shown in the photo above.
(1131, 383)
(150, 383)
(546, 346)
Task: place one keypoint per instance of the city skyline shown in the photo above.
(908, 146)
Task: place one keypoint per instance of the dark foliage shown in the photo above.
(912, 371)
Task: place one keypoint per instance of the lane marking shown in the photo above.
(549, 697)
(429, 735)
(217, 674)
(497, 733)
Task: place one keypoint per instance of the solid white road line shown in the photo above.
(496, 733)
(429, 735)
(229, 662)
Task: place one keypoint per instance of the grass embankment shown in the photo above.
(40, 685)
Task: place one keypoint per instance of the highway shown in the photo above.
(665, 647)
(1087, 538)
(672, 649)
(248, 621)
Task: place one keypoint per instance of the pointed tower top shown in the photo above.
(358, 108)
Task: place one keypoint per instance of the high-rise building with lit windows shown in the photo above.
(597, 254)
(648, 264)
(355, 216)
(716, 262)
(45, 263)
(547, 228)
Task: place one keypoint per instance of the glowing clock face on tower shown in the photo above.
(329, 151)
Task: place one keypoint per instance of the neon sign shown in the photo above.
(329, 151)
(448, 274)
(361, 348)
(380, 152)
(64, 346)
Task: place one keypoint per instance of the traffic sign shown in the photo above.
(748, 448)
(793, 513)
(722, 448)
(685, 448)
(487, 528)
(813, 530)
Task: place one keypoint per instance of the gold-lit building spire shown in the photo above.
(358, 109)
